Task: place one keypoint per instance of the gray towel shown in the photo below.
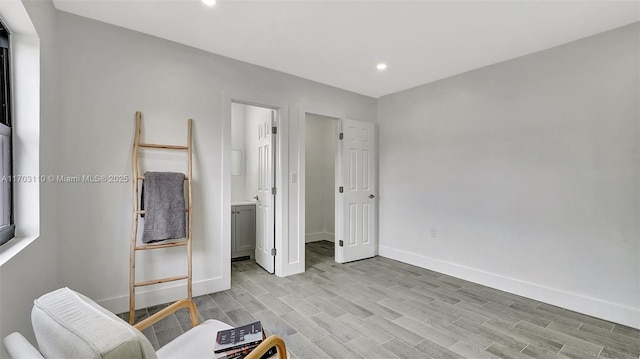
(164, 206)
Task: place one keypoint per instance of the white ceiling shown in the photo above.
(339, 43)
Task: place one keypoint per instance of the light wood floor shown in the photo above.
(380, 308)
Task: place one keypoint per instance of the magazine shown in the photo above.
(240, 337)
(238, 342)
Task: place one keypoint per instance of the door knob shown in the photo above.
(255, 197)
(372, 196)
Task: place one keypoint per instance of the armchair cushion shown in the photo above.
(70, 325)
(194, 344)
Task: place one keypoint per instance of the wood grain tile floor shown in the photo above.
(381, 308)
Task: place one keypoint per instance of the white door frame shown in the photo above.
(303, 110)
(281, 169)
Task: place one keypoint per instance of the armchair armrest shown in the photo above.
(271, 341)
(19, 348)
(183, 303)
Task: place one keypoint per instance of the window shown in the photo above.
(7, 227)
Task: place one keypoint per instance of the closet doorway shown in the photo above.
(252, 184)
(340, 204)
(321, 136)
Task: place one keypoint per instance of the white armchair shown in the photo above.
(69, 325)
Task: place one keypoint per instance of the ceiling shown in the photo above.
(339, 43)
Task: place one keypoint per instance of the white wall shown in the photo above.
(529, 172)
(320, 178)
(238, 183)
(106, 74)
(33, 271)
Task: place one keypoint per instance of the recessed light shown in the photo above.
(209, 2)
(381, 66)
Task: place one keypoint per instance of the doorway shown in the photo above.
(321, 134)
(352, 145)
(252, 184)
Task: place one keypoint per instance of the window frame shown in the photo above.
(7, 224)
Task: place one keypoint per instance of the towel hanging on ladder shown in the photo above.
(164, 206)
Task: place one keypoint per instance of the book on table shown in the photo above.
(236, 343)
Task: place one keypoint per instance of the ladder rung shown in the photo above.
(142, 212)
(141, 178)
(166, 147)
(158, 281)
(162, 245)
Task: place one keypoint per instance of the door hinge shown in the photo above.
(341, 136)
(273, 251)
(341, 243)
(274, 130)
(340, 189)
(273, 191)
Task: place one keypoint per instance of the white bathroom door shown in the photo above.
(265, 241)
(355, 195)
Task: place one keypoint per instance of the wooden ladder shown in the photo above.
(188, 302)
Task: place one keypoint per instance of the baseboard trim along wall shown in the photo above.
(163, 295)
(613, 312)
(319, 236)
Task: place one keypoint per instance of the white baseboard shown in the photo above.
(314, 237)
(598, 308)
(150, 298)
(319, 236)
(329, 237)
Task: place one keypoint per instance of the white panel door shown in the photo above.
(356, 205)
(265, 240)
